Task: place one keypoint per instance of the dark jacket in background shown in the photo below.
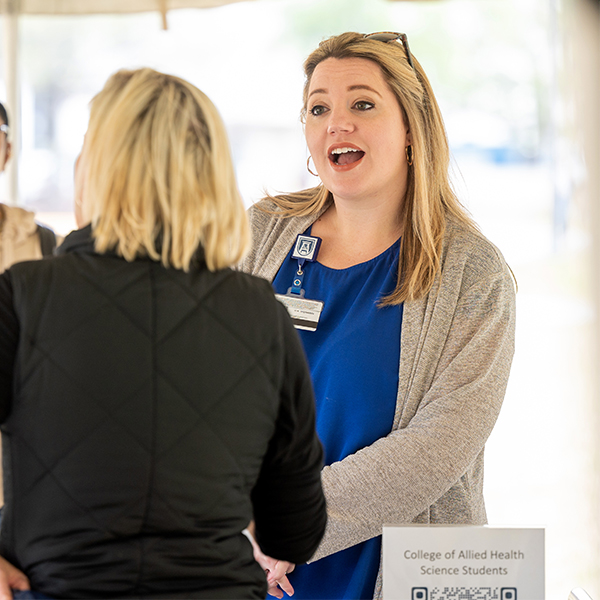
(148, 415)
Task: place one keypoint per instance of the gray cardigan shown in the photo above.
(456, 349)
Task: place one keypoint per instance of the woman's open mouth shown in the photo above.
(345, 156)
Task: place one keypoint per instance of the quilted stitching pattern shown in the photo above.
(106, 342)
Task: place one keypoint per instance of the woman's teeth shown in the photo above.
(344, 150)
(345, 156)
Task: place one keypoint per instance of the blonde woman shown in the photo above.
(405, 310)
(153, 400)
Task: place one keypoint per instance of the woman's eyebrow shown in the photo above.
(318, 91)
(363, 87)
(357, 86)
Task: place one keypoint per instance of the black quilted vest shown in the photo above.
(144, 400)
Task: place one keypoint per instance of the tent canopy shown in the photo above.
(84, 7)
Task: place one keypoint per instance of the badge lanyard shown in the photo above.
(305, 313)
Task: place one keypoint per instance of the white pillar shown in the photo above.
(585, 36)
(10, 24)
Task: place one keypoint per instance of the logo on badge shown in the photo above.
(306, 248)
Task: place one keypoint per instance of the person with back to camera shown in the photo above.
(153, 401)
(407, 312)
(21, 238)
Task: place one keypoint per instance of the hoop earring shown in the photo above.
(409, 155)
(308, 167)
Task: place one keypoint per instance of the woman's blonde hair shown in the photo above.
(158, 179)
(429, 196)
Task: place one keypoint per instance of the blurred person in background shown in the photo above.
(153, 401)
(406, 311)
(21, 238)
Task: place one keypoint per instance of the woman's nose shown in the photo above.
(340, 121)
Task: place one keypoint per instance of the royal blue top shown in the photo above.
(353, 357)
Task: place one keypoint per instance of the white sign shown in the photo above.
(433, 562)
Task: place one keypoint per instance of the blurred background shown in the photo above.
(518, 85)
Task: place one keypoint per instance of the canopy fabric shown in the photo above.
(84, 7)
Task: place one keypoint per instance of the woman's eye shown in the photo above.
(317, 110)
(364, 105)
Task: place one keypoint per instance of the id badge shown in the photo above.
(305, 313)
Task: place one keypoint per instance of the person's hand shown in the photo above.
(11, 579)
(277, 579)
(275, 570)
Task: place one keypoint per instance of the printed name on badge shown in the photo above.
(305, 313)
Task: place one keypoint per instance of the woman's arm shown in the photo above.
(400, 476)
(288, 501)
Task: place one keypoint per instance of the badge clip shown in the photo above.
(305, 313)
(306, 249)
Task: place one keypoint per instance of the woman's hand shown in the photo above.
(11, 579)
(275, 570)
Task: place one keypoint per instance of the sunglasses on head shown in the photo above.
(392, 36)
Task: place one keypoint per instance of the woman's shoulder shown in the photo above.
(267, 215)
(263, 206)
(246, 284)
(264, 216)
(243, 293)
(272, 236)
(289, 211)
(465, 247)
(268, 226)
(18, 223)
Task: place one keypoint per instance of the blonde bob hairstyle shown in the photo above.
(157, 177)
(429, 196)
